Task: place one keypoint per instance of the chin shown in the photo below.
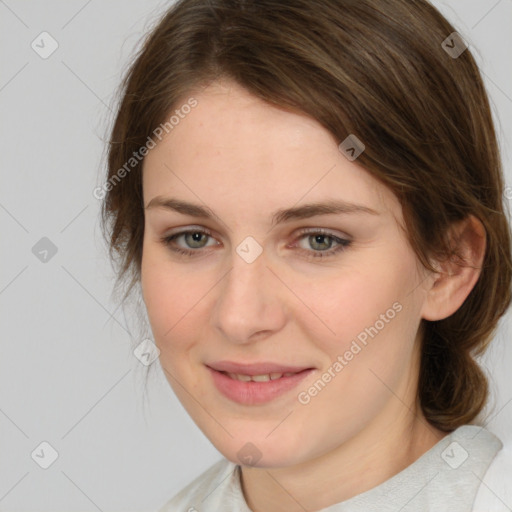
(260, 454)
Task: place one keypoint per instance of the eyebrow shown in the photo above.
(283, 215)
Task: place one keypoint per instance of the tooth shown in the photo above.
(258, 378)
(261, 378)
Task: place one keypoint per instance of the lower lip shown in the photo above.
(253, 393)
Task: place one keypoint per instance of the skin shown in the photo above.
(244, 159)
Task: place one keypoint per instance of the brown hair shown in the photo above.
(372, 68)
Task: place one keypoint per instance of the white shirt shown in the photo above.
(461, 473)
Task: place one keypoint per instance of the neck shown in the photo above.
(369, 458)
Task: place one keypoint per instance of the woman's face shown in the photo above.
(271, 285)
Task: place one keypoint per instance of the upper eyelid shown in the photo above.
(300, 231)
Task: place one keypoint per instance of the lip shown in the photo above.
(254, 393)
(254, 368)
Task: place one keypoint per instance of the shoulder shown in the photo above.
(218, 484)
(495, 492)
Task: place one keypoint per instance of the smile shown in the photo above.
(265, 377)
(252, 385)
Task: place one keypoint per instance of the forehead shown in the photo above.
(234, 146)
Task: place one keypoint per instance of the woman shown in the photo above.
(310, 196)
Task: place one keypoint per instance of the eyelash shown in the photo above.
(343, 243)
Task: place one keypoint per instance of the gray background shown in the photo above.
(67, 372)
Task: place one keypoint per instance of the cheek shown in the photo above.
(374, 316)
(340, 309)
(169, 297)
(373, 348)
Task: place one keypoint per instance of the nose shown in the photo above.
(250, 302)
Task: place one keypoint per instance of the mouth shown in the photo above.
(258, 383)
(255, 369)
(264, 377)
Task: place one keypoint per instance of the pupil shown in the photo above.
(320, 239)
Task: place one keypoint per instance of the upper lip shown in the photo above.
(254, 368)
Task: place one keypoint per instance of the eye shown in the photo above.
(318, 239)
(195, 239)
(321, 242)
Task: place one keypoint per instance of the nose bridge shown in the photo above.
(247, 301)
(245, 284)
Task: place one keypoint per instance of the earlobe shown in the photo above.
(458, 274)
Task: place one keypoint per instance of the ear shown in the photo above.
(453, 283)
